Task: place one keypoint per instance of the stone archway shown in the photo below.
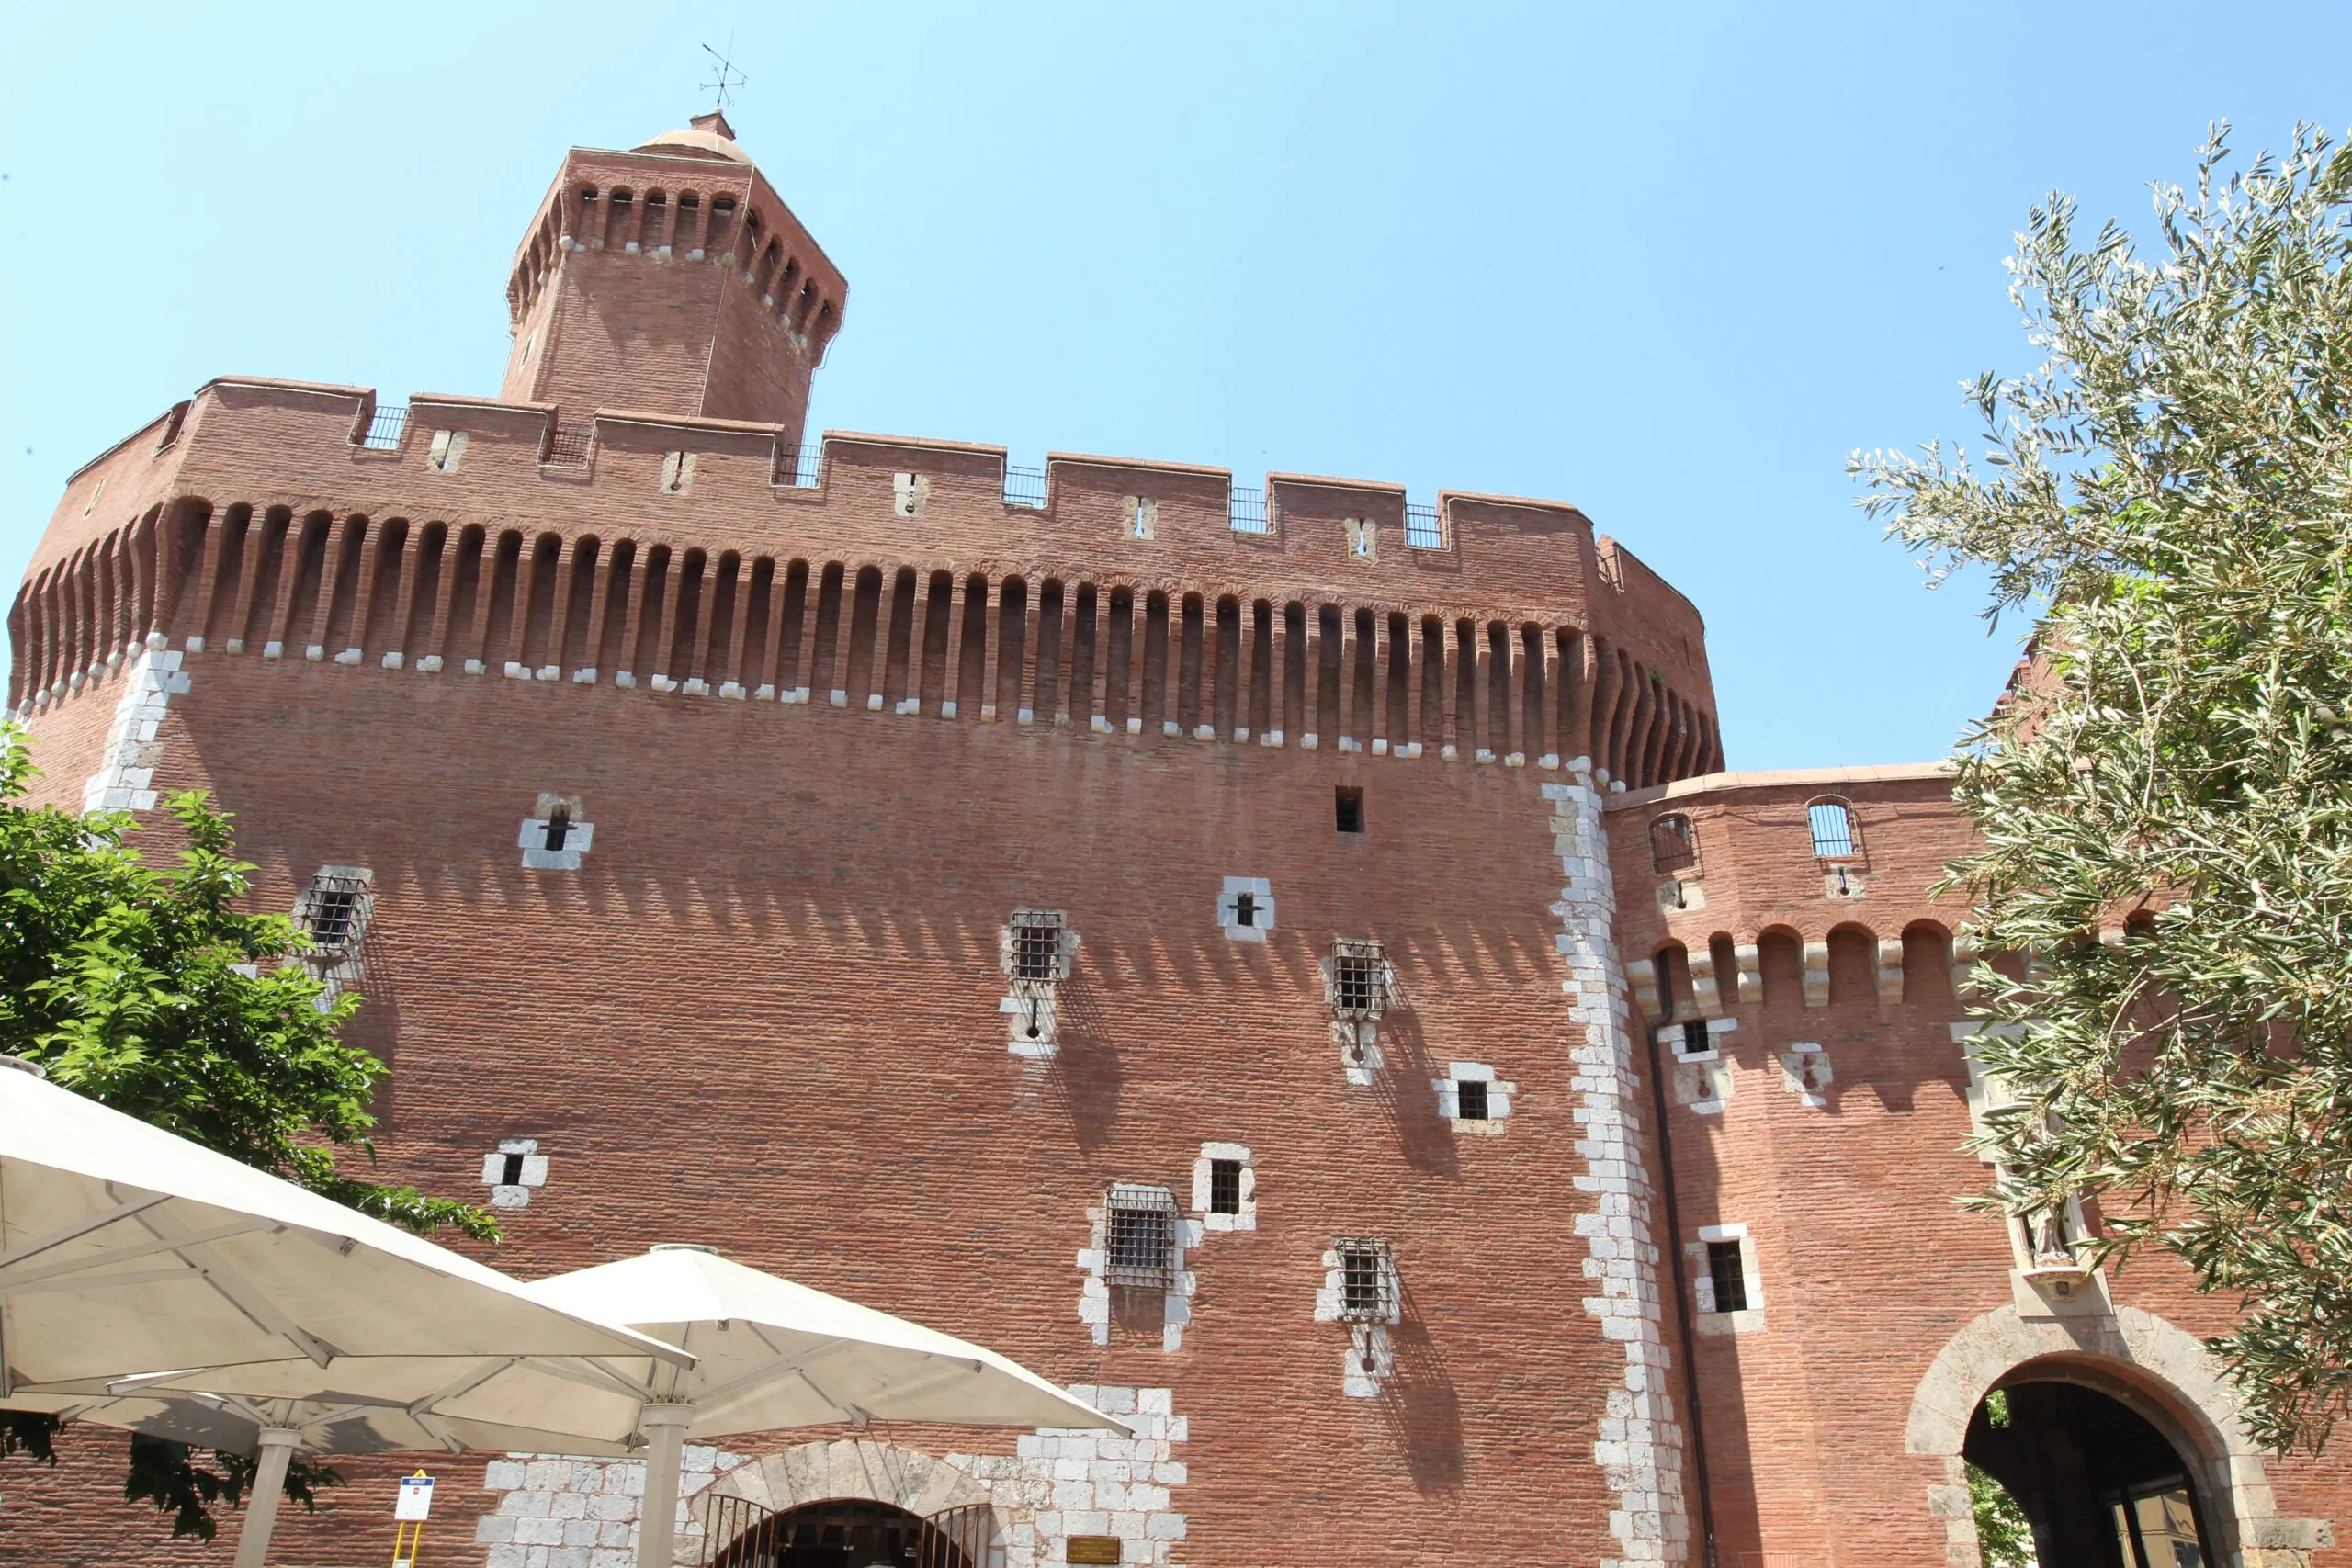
(2159, 1370)
(853, 1468)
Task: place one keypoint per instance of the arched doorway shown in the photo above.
(848, 1533)
(2101, 1486)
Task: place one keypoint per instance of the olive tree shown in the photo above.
(2165, 801)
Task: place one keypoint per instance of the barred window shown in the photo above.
(1470, 1099)
(1674, 843)
(1139, 1236)
(334, 909)
(1833, 829)
(1359, 979)
(1033, 954)
(1728, 1274)
(1224, 1187)
(1367, 1280)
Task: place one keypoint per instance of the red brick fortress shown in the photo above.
(1230, 947)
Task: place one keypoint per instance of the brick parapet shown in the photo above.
(1518, 646)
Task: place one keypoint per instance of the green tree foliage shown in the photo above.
(2171, 489)
(148, 991)
(2002, 1533)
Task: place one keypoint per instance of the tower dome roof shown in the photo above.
(706, 136)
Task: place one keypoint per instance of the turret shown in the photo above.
(670, 278)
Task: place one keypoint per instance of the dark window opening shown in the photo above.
(1224, 1187)
(1730, 1275)
(1359, 979)
(1364, 1280)
(558, 827)
(334, 911)
(1692, 1038)
(1245, 909)
(509, 1173)
(1139, 1241)
(1346, 809)
(1470, 1099)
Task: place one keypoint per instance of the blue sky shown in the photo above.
(1669, 263)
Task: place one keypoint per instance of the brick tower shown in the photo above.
(1283, 959)
(671, 279)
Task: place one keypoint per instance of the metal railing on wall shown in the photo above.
(384, 427)
(568, 447)
(1248, 510)
(1423, 530)
(1025, 487)
(800, 466)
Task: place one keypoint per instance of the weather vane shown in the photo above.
(725, 78)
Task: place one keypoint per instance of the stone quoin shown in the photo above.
(893, 907)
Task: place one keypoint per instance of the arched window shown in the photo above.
(1832, 822)
(1674, 843)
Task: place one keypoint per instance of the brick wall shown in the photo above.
(1838, 1148)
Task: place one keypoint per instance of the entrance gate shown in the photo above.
(845, 1533)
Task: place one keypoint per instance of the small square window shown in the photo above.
(1366, 1287)
(1691, 1037)
(1729, 1275)
(1224, 1187)
(1346, 809)
(1139, 1236)
(1245, 908)
(1470, 1099)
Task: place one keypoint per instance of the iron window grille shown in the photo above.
(1674, 843)
(384, 427)
(1025, 487)
(568, 447)
(1139, 1236)
(1833, 829)
(1729, 1275)
(334, 912)
(1360, 982)
(1470, 1099)
(1691, 1037)
(1422, 529)
(1346, 808)
(1224, 1187)
(798, 466)
(1034, 954)
(1247, 512)
(1367, 1281)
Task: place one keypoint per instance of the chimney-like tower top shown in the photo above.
(670, 278)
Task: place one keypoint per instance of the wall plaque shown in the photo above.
(1094, 1549)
